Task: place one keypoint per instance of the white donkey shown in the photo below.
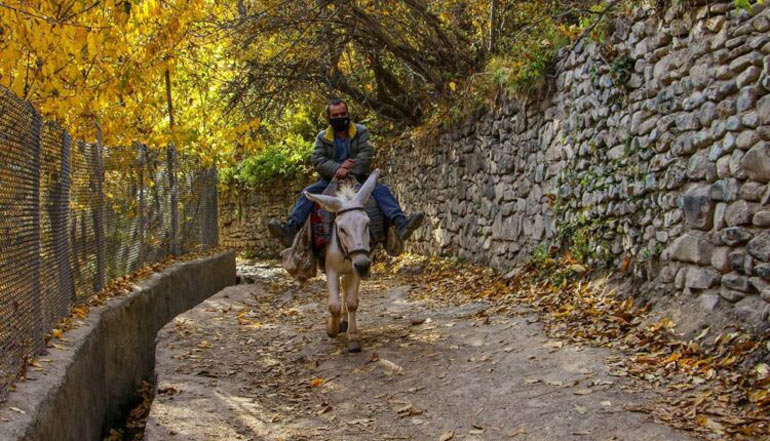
(347, 255)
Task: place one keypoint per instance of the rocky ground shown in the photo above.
(254, 363)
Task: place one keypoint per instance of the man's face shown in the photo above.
(338, 110)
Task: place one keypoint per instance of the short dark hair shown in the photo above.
(335, 102)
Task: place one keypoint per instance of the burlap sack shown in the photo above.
(299, 260)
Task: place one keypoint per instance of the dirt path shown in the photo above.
(254, 363)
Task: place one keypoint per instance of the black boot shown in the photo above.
(405, 226)
(284, 232)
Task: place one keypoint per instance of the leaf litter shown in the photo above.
(711, 385)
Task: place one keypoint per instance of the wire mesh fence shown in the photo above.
(74, 215)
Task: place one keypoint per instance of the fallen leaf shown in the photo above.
(709, 423)
(446, 436)
(317, 382)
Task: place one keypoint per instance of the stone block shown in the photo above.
(747, 77)
(701, 278)
(756, 163)
(725, 190)
(737, 282)
(747, 98)
(763, 108)
(698, 167)
(709, 301)
(738, 213)
(743, 62)
(736, 259)
(730, 295)
(719, 259)
(735, 235)
(759, 247)
(762, 270)
(761, 218)
(736, 164)
(690, 248)
(751, 309)
(752, 191)
(759, 283)
(698, 208)
(747, 139)
(679, 279)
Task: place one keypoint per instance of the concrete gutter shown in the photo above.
(89, 383)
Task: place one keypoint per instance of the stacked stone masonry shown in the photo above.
(243, 216)
(657, 158)
(652, 157)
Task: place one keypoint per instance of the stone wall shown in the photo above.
(243, 215)
(651, 156)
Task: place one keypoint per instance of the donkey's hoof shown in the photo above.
(332, 327)
(343, 326)
(354, 346)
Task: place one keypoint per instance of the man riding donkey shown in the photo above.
(343, 150)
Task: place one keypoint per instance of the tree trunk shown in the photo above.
(171, 171)
(493, 25)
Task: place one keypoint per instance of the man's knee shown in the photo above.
(381, 188)
(316, 188)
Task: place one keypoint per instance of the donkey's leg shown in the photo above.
(345, 279)
(351, 282)
(335, 306)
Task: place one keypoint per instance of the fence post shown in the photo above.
(99, 215)
(59, 216)
(37, 306)
(142, 161)
(171, 170)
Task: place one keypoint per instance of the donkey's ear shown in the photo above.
(329, 203)
(366, 190)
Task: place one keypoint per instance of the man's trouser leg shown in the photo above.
(388, 204)
(304, 206)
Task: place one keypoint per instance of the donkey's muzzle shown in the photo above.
(362, 268)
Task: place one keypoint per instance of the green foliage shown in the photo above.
(620, 70)
(524, 58)
(287, 144)
(540, 255)
(283, 160)
(745, 4)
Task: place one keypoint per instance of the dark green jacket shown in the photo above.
(360, 151)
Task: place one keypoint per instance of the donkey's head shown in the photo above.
(351, 222)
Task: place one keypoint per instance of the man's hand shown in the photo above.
(342, 173)
(344, 169)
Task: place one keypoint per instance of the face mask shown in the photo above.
(340, 124)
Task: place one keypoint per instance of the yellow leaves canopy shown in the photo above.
(84, 61)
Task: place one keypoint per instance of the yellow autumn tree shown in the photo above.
(84, 63)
